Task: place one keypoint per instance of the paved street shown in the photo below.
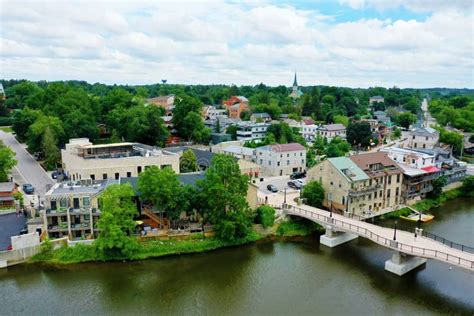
(10, 225)
(27, 166)
(281, 182)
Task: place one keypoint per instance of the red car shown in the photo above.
(9, 248)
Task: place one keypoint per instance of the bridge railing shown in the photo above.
(393, 244)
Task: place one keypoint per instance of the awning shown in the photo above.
(430, 169)
(6, 198)
(139, 222)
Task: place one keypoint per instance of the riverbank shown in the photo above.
(159, 248)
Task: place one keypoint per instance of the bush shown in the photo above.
(468, 186)
(301, 227)
(313, 192)
(233, 226)
(266, 215)
(5, 121)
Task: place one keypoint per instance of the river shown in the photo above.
(269, 277)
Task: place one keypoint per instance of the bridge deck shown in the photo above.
(405, 241)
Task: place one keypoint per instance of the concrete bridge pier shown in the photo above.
(401, 263)
(333, 238)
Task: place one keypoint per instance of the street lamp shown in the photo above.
(419, 221)
(330, 209)
(395, 231)
(284, 201)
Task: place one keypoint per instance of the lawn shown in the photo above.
(6, 129)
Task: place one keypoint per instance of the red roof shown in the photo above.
(287, 147)
(430, 169)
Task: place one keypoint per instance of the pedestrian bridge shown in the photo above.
(410, 251)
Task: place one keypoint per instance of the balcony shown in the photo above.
(364, 190)
(58, 228)
(81, 226)
(77, 211)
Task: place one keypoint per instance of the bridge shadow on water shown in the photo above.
(416, 287)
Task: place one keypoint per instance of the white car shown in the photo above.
(300, 181)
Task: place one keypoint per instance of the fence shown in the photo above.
(363, 231)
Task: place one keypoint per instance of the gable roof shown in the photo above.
(348, 169)
(425, 131)
(333, 127)
(364, 161)
(283, 147)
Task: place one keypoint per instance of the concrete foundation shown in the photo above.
(402, 263)
(333, 239)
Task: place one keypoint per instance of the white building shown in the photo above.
(210, 112)
(240, 152)
(376, 99)
(278, 160)
(423, 138)
(329, 131)
(251, 131)
(83, 160)
(412, 158)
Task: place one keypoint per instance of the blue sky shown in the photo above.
(356, 43)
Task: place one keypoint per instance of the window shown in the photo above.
(340, 187)
(404, 159)
(370, 197)
(261, 161)
(287, 162)
(302, 161)
(389, 180)
(53, 205)
(413, 161)
(86, 201)
(426, 137)
(63, 203)
(375, 195)
(301, 154)
(129, 174)
(92, 177)
(331, 183)
(370, 182)
(398, 178)
(278, 164)
(388, 193)
(413, 136)
(64, 219)
(424, 146)
(117, 176)
(139, 169)
(269, 162)
(397, 192)
(287, 155)
(104, 176)
(87, 217)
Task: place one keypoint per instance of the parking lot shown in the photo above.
(281, 182)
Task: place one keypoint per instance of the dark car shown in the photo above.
(28, 188)
(24, 230)
(272, 188)
(294, 185)
(297, 175)
(55, 174)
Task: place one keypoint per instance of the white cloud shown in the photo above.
(248, 43)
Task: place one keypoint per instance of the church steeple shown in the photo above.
(295, 91)
(295, 82)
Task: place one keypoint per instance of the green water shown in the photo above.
(267, 278)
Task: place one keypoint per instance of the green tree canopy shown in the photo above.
(265, 215)
(405, 119)
(359, 133)
(49, 146)
(188, 162)
(313, 193)
(7, 161)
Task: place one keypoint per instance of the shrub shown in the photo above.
(301, 227)
(5, 121)
(468, 186)
(266, 215)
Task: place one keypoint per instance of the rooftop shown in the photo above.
(425, 131)
(7, 186)
(348, 169)
(85, 187)
(239, 150)
(333, 127)
(368, 163)
(283, 147)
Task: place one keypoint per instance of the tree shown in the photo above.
(310, 158)
(38, 129)
(49, 146)
(359, 133)
(194, 129)
(188, 162)
(397, 133)
(313, 193)
(337, 148)
(160, 187)
(232, 130)
(438, 185)
(266, 215)
(217, 128)
(223, 191)
(468, 186)
(116, 222)
(405, 119)
(22, 120)
(451, 138)
(7, 161)
(341, 119)
(183, 107)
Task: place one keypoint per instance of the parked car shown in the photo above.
(302, 182)
(295, 185)
(297, 175)
(272, 188)
(28, 188)
(55, 174)
(10, 248)
(24, 230)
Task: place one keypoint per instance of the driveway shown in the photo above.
(27, 167)
(10, 225)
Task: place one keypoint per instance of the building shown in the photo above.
(283, 159)
(217, 138)
(332, 130)
(7, 194)
(346, 186)
(224, 122)
(211, 112)
(240, 152)
(376, 99)
(386, 174)
(236, 105)
(295, 90)
(260, 117)
(72, 209)
(165, 102)
(381, 117)
(309, 132)
(251, 131)
(83, 160)
(423, 138)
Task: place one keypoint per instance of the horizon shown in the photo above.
(346, 43)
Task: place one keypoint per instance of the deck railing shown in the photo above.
(393, 244)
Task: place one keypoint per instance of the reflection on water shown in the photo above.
(264, 278)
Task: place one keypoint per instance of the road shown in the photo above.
(27, 167)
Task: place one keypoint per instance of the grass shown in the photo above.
(150, 249)
(6, 129)
(301, 227)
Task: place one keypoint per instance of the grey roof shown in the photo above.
(377, 97)
(78, 187)
(333, 127)
(261, 115)
(295, 82)
(7, 186)
(425, 131)
(6, 198)
(203, 157)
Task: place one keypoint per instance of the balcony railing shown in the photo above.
(364, 190)
(79, 210)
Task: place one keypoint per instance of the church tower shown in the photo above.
(295, 93)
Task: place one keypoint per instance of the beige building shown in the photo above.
(282, 159)
(83, 160)
(386, 173)
(423, 138)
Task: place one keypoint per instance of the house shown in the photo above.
(83, 160)
(451, 168)
(309, 132)
(423, 138)
(376, 99)
(217, 138)
(224, 122)
(2, 92)
(72, 209)
(283, 159)
(332, 130)
(387, 175)
(381, 117)
(211, 112)
(346, 186)
(251, 131)
(236, 105)
(260, 117)
(295, 90)
(240, 152)
(7, 194)
(165, 102)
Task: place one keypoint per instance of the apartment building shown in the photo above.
(165, 102)
(83, 160)
(251, 131)
(72, 209)
(283, 159)
(423, 138)
(329, 131)
(385, 173)
(236, 105)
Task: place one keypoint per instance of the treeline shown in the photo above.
(457, 111)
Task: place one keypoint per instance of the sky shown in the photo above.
(353, 43)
